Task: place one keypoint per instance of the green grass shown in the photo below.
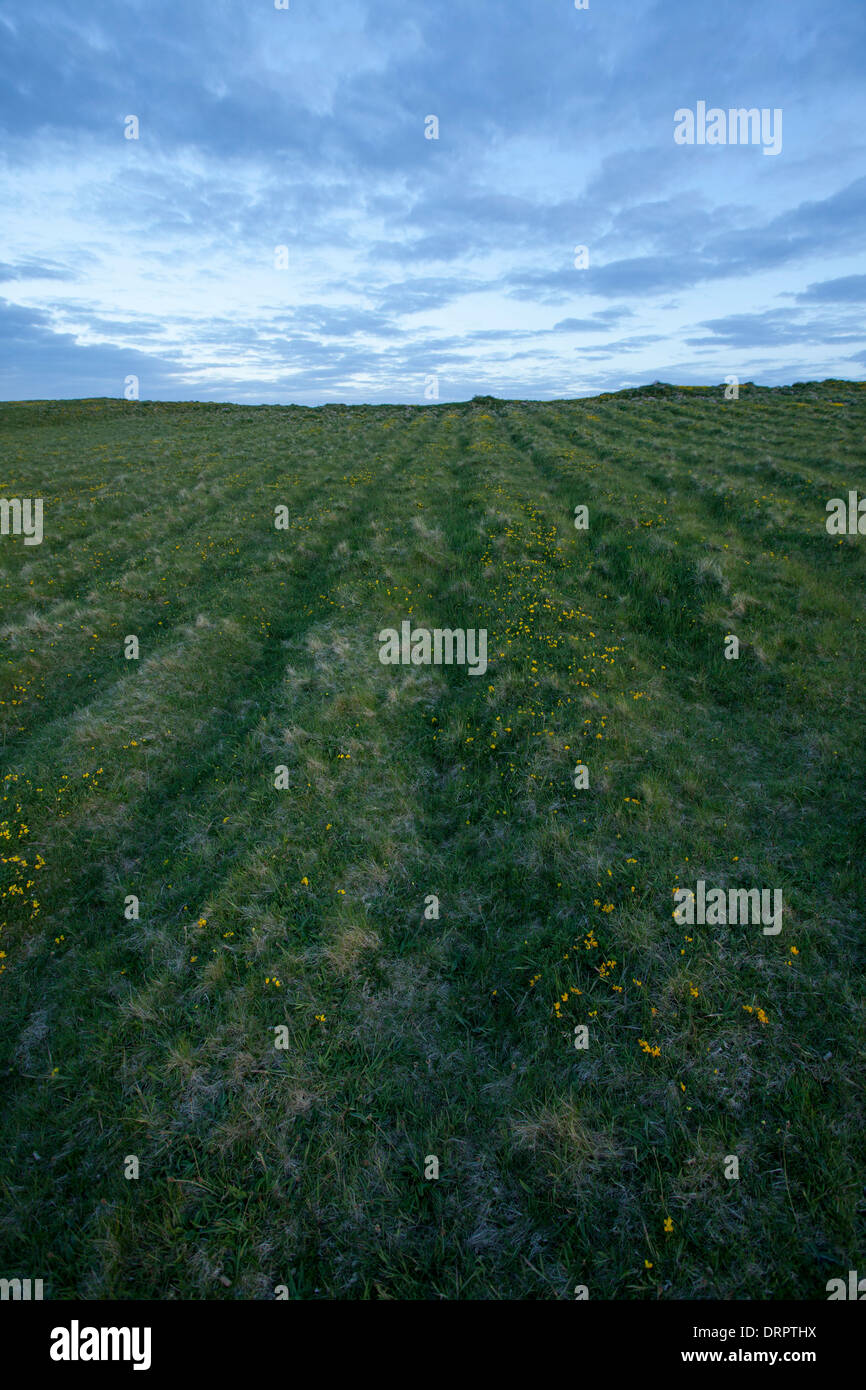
(304, 1167)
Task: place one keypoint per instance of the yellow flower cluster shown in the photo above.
(761, 1016)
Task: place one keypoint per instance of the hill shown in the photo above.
(284, 924)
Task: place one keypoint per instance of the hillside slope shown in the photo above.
(296, 1159)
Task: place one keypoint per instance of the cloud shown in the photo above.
(34, 270)
(42, 364)
(306, 129)
(846, 289)
(771, 328)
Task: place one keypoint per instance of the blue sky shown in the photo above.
(409, 257)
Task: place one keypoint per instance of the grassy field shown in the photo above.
(410, 1036)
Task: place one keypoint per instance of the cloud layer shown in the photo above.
(283, 230)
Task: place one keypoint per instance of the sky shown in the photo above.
(422, 258)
